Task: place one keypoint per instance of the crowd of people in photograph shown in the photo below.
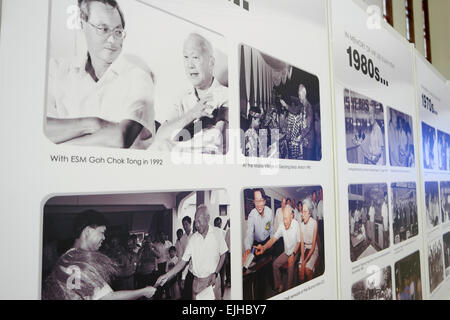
(300, 224)
(370, 289)
(405, 223)
(364, 215)
(97, 267)
(408, 281)
(435, 264)
(288, 129)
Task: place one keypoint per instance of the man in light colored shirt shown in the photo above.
(103, 99)
(201, 117)
(259, 223)
(290, 231)
(206, 249)
(279, 214)
(372, 146)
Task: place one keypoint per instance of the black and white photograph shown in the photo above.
(435, 264)
(140, 246)
(432, 207)
(364, 129)
(114, 82)
(442, 150)
(445, 201)
(408, 281)
(404, 211)
(368, 219)
(428, 146)
(282, 249)
(401, 139)
(376, 286)
(446, 238)
(279, 108)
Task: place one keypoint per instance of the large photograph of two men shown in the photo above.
(123, 74)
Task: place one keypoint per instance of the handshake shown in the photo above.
(162, 280)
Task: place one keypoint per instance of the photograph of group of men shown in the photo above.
(435, 263)
(115, 82)
(279, 108)
(159, 246)
(404, 203)
(408, 282)
(282, 247)
(368, 219)
(375, 286)
(436, 149)
(364, 129)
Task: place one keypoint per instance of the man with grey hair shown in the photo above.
(206, 250)
(290, 231)
(203, 110)
(101, 98)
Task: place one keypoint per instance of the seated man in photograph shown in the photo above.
(83, 273)
(104, 99)
(259, 224)
(290, 231)
(206, 250)
(200, 119)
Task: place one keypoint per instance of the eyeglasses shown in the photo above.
(118, 33)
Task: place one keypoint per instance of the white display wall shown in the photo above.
(362, 75)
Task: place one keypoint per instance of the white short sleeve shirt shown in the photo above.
(124, 92)
(290, 236)
(205, 252)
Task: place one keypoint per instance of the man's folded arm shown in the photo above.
(63, 130)
(113, 135)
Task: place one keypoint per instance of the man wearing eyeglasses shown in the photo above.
(259, 223)
(105, 99)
